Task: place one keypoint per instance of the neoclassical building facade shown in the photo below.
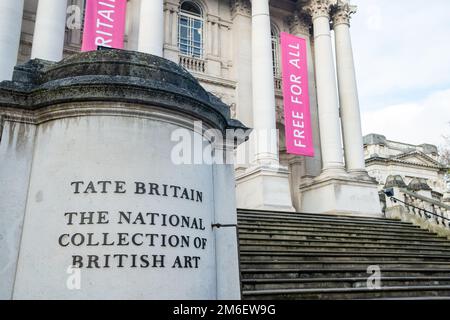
(232, 48)
(414, 164)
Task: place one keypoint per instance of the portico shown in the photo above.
(234, 58)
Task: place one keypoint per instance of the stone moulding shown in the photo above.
(117, 76)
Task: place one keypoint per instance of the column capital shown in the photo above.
(319, 8)
(299, 23)
(172, 7)
(242, 7)
(341, 13)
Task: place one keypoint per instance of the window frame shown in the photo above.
(276, 51)
(194, 49)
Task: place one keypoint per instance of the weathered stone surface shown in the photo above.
(374, 139)
(116, 76)
(394, 181)
(418, 184)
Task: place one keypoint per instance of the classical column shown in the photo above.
(167, 26)
(241, 33)
(132, 24)
(264, 183)
(10, 26)
(330, 131)
(264, 119)
(171, 51)
(216, 38)
(151, 27)
(348, 92)
(212, 38)
(49, 29)
(172, 8)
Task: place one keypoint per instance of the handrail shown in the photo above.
(418, 196)
(395, 200)
(219, 225)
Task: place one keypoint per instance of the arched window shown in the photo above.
(276, 52)
(190, 30)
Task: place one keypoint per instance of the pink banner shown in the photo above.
(297, 115)
(104, 24)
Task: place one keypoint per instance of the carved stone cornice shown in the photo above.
(319, 8)
(212, 18)
(341, 13)
(300, 23)
(172, 5)
(242, 7)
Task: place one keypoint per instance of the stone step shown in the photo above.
(337, 230)
(328, 222)
(276, 284)
(338, 251)
(293, 247)
(352, 229)
(342, 256)
(417, 298)
(328, 219)
(318, 233)
(338, 237)
(295, 273)
(332, 264)
(347, 293)
(281, 214)
(341, 244)
(308, 256)
(338, 241)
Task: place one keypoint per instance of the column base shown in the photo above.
(361, 175)
(332, 172)
(346, 195)
(264, 188)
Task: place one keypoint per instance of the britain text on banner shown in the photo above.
(104, 24)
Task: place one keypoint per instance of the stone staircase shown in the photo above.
(313, 256)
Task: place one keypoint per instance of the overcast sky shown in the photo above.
(402, 57)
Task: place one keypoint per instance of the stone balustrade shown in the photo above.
(193, 64)
(419, 209)
(278, 84)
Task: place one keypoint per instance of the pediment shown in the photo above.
(418, 158)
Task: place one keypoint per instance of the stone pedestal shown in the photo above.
(341, 195)
(91, 157)
(264, 188)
